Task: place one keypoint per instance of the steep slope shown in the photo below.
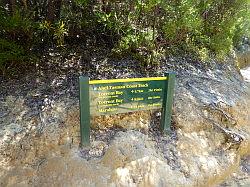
(39, 128)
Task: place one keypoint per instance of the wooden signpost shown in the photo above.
(106, 97)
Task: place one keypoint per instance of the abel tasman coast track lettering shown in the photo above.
(115, 96)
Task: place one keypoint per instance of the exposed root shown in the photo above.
(228, 117)
(40, 163)
(231, 135)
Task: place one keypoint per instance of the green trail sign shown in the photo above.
(106, 97)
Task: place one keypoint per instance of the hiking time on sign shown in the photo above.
(126, 95)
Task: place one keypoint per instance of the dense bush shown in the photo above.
(145, 29)
(151, 28)
(16, 39)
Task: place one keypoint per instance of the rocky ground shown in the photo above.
(39, 128)
(246, 74)
(241, 177)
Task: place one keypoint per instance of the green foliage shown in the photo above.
(242, 26)
(15, 39)
(134, 24)
(16, 27)
(60, 32)
(149, 27)
(220, 20)
(145, 29)
(10, 53)
(79, 19)
(57, 31)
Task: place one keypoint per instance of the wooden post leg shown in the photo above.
(168, 102)
(84, 111)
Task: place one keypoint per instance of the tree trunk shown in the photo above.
(11, 6)
(25, 4)
(53, 10)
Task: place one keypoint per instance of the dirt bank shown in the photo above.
(39, 129)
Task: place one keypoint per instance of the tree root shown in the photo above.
(228, 117)
(231, 135)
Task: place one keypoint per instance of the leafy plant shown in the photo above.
(16, 33)
(16, 27)
(145, 29)
(151, 27)
(60, 32)
(10, 54)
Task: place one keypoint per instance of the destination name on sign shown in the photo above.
(117, 87)
(110, 101)
(110, 93)
(117, 96)
(107, 110)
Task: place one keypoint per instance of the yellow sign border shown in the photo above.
(127, 80)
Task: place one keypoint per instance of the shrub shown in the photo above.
(15, 39)
(144, 29)
(10, 55)
(149, 27)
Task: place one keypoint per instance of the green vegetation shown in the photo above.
(145, 29)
